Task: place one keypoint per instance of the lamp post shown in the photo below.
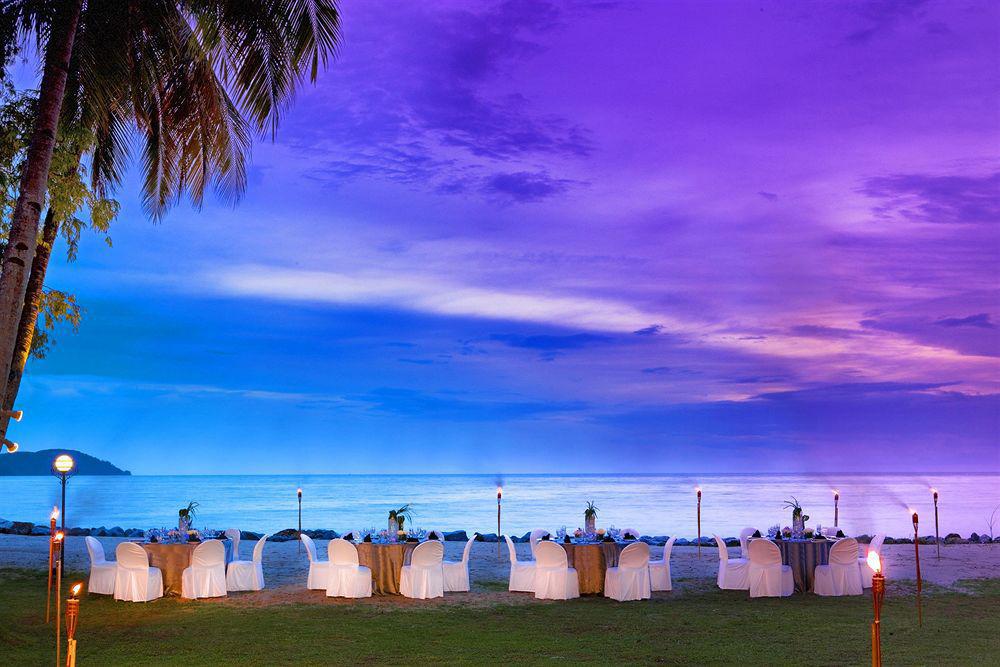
(916, 551)
(58, 544)
(878, 592)
(499, 499)
(937, 532)
(299, 546)
(63, 467)
(52, 539)
(698, 491)
(836, 508)
(72, 616)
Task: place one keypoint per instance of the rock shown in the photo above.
(709, 542)
(654, 540)
(731, 541)
(135, 532)
(456, 536)
(250, 535)
(864, 539)
(81, 532)
(974, 538)
(682, 542)
(928, 539)
(889, 540)
(286, 535)
(100, 532)
(488, 537)
(954, 538)
(117, 531)
(39, 530)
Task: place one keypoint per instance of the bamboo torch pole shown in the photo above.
(58, 548)
(698, 490)
(499, 499)
(916, 551)
(937, 531)
(52, 537)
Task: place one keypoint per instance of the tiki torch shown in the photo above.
(58, 545)
(916, 552)
(299, 546)
(836, 508)
(698, 491)
(878, 591)
(937, 532)
(499, 499)
(72, 615)
(52, 538)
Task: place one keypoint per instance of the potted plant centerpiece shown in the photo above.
(590, 517)
(798, 518)
(398, 517)
(185, 517)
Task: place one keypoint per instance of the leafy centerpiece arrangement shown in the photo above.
(398, 518)
(798, 518)
(590, 518)
(185, 517)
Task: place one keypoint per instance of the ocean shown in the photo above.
(655, 504)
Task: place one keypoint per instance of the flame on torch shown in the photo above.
(874, 562)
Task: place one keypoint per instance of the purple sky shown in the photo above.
(576, 236)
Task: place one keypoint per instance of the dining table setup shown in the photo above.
(171, 550)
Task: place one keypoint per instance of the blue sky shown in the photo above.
(526, 236)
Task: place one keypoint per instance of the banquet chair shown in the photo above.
(206, 576)
(536, 536)
(319, 570)
(135, 579)
(630, 579)
(842, 576)
(234, 536)
(659, 570)
(744, 540)
(554, 578)
(102, 573)
(348, 578)
(456, 575)
(767, 576)
(247, 575)
(423, 578)
(866, 572)
(733, 572)
(522, 573)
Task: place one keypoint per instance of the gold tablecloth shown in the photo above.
(386, 562)
(591, 561)
(171, 559)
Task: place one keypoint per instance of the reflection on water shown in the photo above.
(653, 504)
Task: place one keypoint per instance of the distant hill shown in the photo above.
(40, 463)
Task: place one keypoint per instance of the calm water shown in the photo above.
(653, 504)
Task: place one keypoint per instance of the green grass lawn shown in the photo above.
(705, 627)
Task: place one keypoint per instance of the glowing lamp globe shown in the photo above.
(12, 447)
(64, 463)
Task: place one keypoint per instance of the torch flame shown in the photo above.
(874, 562)
(499, 491)
(836, 492)
(76, 589)
(55, 514)
(59, 536)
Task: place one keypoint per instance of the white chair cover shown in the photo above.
(456, 575)
(135, 580)
(319, 570)
(866, 572)
(744, 540)
(536, 535)
(206, 576)
(733, 572)
(630, 579)
(234, 536)
(102, 573)
(347, 578)
(768, 577)
(522, 573)
(247, 575)
(842, 576)
(659, 570)
(554, 579)
(423, 578)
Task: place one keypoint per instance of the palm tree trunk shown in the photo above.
(34, 180)
(29, 314)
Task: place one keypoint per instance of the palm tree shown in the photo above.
(193, 77)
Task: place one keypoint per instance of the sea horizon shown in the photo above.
(653, 503)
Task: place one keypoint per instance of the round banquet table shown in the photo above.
(803, 556)
(591, 560)
(173, 558)
(386, 561)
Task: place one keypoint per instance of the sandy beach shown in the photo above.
(285, 568)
